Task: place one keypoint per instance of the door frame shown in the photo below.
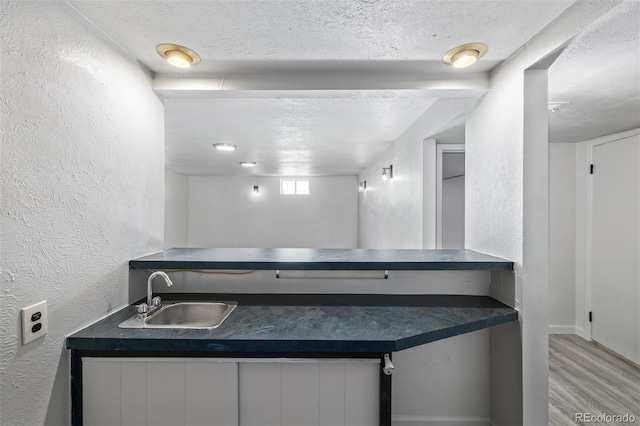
(583, 328)
(442, 149)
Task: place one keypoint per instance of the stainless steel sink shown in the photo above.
(193, 315)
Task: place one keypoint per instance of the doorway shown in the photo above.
(450, 196)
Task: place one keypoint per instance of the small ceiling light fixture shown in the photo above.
(256, 189)
(178, 56)
(248, 163)
(387, 173)
(556, 106)
(465, 55)
(363, 186)
(225, 146)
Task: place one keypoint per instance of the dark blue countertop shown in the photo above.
(306, 324)
(319, 259)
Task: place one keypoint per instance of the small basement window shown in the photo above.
(294, 186)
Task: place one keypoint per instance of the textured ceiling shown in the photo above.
(599, 73)
(383, 45)
(285, 136)
(248, 33)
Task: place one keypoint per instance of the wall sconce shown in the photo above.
(256, 189)
(363, 186)
(387, 173)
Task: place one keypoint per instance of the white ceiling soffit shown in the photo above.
(599, 73)
(452, 132)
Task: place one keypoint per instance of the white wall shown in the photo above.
(506, 176)
(445, 381)
(453, 212)
(176, 210)
(82, 193)
(402, 213)
(584, 156)
(562, 238)
(224, 212)
(569, 234)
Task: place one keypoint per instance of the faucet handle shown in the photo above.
(156, 302)
(142, 308)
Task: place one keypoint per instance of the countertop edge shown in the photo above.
(119, 341)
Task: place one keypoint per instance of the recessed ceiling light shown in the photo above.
(225, 146)
(465, 55)
(248, 163)
(178, 56)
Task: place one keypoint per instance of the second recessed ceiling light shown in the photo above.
(178, 56)
(465, 55)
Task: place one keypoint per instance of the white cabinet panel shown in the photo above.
(259, 385)
(165, 393)
(196, 392)
(362, 390)
(101, 392)
(211, 393)
(331, 396)
(130, 391)
(309, 392)
(133, 393)
(299, 387)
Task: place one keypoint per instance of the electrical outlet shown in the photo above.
(34, 322)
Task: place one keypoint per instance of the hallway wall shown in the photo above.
(562, 238)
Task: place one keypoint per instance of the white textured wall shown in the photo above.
(390, 214)
(501, 182)
(82, 193)
(448, 380)
(224, 212)
(494, 202)
(562, 238)
(176, 210)
(401, 213)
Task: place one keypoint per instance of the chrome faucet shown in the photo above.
(153, 303)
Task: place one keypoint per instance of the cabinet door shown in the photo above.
(309, 393)
(211, 393)
(164, 391)
(101, 392)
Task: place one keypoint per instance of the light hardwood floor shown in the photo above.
(584, 378)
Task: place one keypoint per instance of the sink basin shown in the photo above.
(193, 315)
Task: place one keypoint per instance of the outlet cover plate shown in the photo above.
(34, 322)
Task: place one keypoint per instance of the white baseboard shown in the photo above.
(439, 421)
(562, 329)
(582, 333)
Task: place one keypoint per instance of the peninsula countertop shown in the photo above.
(305, 323)
(320, 259)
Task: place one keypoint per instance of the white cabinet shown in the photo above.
(230, 392)
(163, 391)
(309, 393)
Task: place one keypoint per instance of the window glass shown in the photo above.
(287, 186)
(302, 187)
(294, 186)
